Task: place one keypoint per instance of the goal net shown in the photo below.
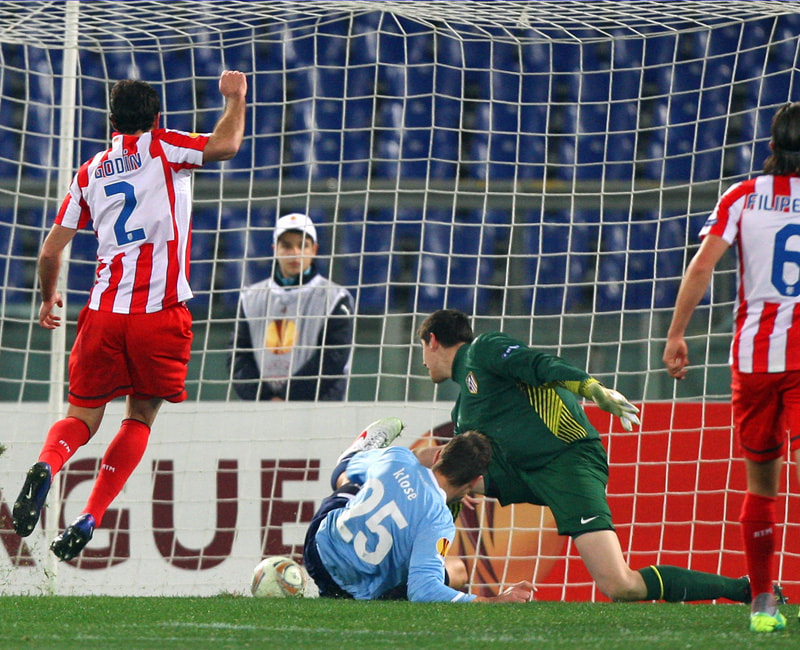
(543, 166)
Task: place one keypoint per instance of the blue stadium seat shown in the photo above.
(218, 254)
(641, 262)
(670, 256)
(406, 141)
(559, 248)
(323, 89)
(671, 146)
(364, 253)
(768, 75)
(511, 117)
(39, 151)
(11, 107)
(230, 262)
(264, 153)
(455, 266)
(719, 50)
(20, 243)
(82, 267)
(149, 65)
(205, 225)
(13, 271)
(600, 120)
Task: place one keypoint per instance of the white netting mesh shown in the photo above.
(544, 166)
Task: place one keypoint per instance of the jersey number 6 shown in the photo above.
(783, 256)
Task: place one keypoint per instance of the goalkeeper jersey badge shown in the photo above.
(472, 384)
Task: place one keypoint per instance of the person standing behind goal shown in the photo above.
(294, 334)
(762, 217)
(134, 335)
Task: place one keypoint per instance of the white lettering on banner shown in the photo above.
(203, 506)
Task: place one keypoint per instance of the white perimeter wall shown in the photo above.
(194, 437)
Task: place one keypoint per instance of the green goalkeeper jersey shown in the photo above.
(525, 401)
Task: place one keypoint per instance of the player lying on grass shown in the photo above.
(386, 529)
(546, 452)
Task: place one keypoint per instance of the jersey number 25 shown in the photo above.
(376, 515)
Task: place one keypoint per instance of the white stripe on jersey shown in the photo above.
(762, 217)
(138, 196)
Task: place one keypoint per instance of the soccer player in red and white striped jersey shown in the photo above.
(761, 217)
(134, 335)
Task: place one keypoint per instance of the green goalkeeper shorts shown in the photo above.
(572, 485)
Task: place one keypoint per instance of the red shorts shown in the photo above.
(766, 412)
(142, 355)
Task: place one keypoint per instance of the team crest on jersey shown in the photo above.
(442, 546)
(280, 336)
(472, 384)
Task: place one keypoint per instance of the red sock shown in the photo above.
(119, 461)
(63, 440)
(758, 532)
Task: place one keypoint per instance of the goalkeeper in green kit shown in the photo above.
(546, 452)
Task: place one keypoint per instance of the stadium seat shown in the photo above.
(322, 85)
(509, 139)
(203, 255)
(218, 254)
(13, 274)
(641, 261)
(559, 252)
(39, 152)
(263, 151)
(671, 148)
(404, 142)
(20, 242)
(82, 266)
(768, 75)
(600, 119)
(455, 266)
(11, 107)
(364, 254)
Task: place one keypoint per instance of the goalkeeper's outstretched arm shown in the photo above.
(611, 401)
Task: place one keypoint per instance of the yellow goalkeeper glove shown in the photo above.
(613, 402)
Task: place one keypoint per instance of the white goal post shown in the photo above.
(543, 166)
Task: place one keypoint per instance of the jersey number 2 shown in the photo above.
(374, 523)
(125, 236)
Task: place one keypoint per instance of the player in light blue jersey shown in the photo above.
(386, 529)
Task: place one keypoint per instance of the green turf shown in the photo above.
(244, 622)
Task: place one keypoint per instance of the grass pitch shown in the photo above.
(243, 622)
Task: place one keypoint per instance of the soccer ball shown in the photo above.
(278, 577)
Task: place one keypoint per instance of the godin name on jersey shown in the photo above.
(118, 165)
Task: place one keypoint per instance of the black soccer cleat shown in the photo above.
(29, 503)
(71, 542)
(777, 590)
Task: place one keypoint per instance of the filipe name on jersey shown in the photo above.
(775, 203)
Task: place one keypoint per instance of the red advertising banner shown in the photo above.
(675, 490)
